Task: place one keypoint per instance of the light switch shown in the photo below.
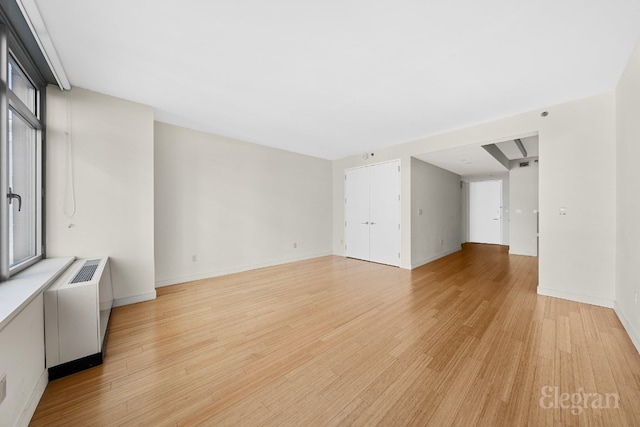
(563, 211)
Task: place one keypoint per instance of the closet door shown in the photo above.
(384, 213)
(372, 213)
(356, 208)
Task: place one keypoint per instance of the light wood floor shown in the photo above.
(464, 340)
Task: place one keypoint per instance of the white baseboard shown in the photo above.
(435, 257)
(117, 302)
(235, 269)
(34, 399)
(587, 299)
(523, 254)
(633, 334)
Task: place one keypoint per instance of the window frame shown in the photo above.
(11, 47)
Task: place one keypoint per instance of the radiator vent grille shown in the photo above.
(85, 274)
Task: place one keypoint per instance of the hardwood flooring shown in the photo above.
(464, 340)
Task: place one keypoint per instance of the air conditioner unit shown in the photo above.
(76, 312)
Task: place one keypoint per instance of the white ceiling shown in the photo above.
(473, 161)
(335, 78)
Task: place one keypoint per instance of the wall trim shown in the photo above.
(587, 299)
(514, 253)
(118, 302)
(435, 257)
(34, 399)
(628, 326)
(236, 269)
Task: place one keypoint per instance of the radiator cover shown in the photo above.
(77, 308)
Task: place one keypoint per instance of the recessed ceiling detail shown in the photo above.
(473, 161)
(513, 152)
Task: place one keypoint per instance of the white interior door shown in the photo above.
(372, 213)
(384, 215)
(485, 208)
(356, 208)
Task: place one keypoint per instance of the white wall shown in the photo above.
(628, 197)
(113, 180)
(524, 207)
(577, 143)
(234, 205)
(577, 250)
(22, 360)
(436, 210)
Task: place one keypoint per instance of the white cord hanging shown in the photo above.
(69, 187)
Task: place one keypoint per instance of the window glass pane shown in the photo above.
(22, 181)
(21, 86)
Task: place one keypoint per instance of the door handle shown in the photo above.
(11, 195)
(366, 223)
(373, 223)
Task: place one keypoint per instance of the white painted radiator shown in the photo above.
(76, 312)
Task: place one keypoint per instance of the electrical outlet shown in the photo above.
(3, 387)
(194, 258)
(441, 242)
(295, 245)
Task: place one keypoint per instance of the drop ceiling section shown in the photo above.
(473, 161)
(510, 149)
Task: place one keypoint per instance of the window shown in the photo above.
(21, 160)
(23, 230)
(21, 86)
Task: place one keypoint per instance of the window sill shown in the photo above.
(17, 292)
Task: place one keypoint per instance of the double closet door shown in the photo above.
(372, 213)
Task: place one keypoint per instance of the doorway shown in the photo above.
(485, 212)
